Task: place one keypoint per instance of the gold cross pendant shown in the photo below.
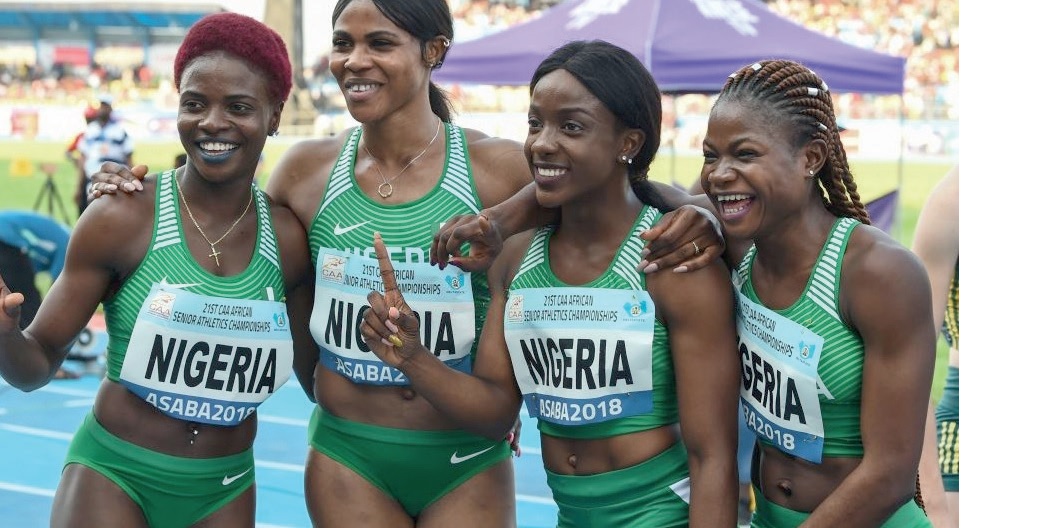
(214, 253)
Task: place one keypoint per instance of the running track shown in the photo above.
(35, 430)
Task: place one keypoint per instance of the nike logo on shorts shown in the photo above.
(337, 230)
(228, 480)
(455, 459)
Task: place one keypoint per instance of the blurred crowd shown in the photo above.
(926, 32)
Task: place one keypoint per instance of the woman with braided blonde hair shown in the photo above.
(835, 334)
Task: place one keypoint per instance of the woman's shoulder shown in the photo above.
(499, 165)
(876, 266)
(485, 146)
(875, 253)
(311, 147)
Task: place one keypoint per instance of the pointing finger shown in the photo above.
(391, 293)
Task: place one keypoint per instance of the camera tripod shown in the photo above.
(49, 192)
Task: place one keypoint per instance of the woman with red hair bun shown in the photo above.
(203, 290)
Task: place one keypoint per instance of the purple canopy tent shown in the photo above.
(883, 211)
(690, 46)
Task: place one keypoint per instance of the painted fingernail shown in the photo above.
(386, 342)
(651, 268)
(510, 438)
(394, 339)
(391, 326)
(680, 269)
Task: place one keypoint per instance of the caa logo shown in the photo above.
(280, 319)
(516, 309)
(807, 350)
(636, 309)
(162, 305)
(456, 282)
(332, 268)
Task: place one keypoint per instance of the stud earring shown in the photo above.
(274, 133)
(625, 159)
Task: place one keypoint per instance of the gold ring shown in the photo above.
(698, 250)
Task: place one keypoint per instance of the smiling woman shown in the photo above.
(158, 448)
(831, 306)
(630, 376)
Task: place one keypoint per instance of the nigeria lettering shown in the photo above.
(771, 387)
(569, 363)
(219, 366)
(343, 320)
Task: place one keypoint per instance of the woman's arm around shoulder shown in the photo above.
(698, 310)
(504, 185)
(298, 276)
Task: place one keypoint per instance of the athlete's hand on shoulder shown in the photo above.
(483, 235)
(389, 327)
(685, 239)
(114, 176)
(10, 308)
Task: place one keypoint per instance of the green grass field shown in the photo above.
(874, 179)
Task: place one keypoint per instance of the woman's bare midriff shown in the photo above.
(795, 483)
(568, 456)
(386, 406)
(134, 420)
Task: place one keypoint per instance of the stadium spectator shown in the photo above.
(104, 140)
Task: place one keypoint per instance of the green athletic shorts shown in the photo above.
(771, 515)
(415, 468)
(654, 493)
(947, 414)
(172, 491)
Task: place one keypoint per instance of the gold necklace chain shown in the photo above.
(387, 183)
(213, 245)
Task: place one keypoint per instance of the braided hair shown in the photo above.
(796, 93)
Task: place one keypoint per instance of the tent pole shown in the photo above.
(900, 168)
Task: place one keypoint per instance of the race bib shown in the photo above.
(581, 355)
(779, 394)
(207, 359)
(442, 300)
